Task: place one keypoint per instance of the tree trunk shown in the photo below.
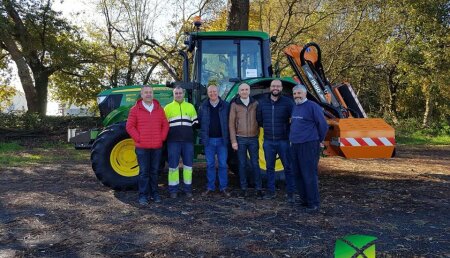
(238, 12)
(41, 85)
(393, 87)
(23, 71)
(428, 92)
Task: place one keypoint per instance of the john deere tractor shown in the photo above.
(229, 58)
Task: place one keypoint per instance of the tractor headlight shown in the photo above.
(100, 99)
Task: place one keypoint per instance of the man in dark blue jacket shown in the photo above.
(274, 112)
(213, 118)
(308, 130)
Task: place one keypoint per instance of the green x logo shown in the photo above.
(355, 246)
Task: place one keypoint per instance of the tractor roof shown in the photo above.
(252, 34)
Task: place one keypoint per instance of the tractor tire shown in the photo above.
(113, 158)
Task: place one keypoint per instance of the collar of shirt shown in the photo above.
(245, 101)
(303, 101)
(147, 106)
(215, 103)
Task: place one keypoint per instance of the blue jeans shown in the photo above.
(305, 160)
(185, 150)
(148, 160)
(251, 145)
(216, 146)
(271, 149)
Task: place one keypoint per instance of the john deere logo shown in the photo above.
(355, 246)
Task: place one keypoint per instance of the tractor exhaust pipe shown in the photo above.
(185, 65)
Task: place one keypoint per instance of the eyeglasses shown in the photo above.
(275, 86)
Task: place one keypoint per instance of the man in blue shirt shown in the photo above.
(213, 118)
(308, 130)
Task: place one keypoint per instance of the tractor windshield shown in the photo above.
(225, 60)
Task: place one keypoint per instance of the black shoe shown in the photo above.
(269, 196)
(225, 193)
(290, 198)
(300, 201)
(259, 195)
(173, 195)
(157, 199)
(312, 209)
(143, 202)
(244, 194)
(189, 195)
(207, 193)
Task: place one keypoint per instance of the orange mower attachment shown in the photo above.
(360, 138)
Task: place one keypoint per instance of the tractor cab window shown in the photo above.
(229, 59)
(219, 64)
(251, 59)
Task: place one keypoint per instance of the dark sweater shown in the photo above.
(307, 123)
(214, 124)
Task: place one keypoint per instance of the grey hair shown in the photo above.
(299, 87)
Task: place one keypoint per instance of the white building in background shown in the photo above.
(72, 110)
(18, 105)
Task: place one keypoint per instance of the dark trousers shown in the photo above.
(148, 160)
(250, 145)
(305, 161)
(271, 149)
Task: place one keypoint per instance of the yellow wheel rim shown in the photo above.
(123, 158)
(262, 160)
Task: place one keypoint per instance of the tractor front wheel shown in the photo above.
(114, 159)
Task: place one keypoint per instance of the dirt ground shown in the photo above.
(61, 210)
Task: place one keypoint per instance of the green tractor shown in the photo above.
(227, 58)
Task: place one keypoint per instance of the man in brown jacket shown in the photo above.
(244, 137)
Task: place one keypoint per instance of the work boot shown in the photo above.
(143, 201)
(157, 199)
(290, 198)
(225, 193)
(259, 195)
(207, 193)
(173, 195)
(269, 196)
(312, 209)
(244, 194)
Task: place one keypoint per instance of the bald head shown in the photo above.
(244, 91)
(213, 92)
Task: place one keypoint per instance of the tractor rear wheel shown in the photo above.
(113, 158)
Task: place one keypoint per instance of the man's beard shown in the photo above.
(299, 101)
(275, 95)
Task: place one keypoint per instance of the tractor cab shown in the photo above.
(225, 59)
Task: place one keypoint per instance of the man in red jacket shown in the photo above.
(148, 126)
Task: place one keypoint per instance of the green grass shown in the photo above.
(10, 146)
(421, 139)
(13, 154)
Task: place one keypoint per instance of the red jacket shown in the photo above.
(148, 130)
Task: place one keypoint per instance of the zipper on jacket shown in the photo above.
(273, 123)
(246, 117)
(181, 114)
